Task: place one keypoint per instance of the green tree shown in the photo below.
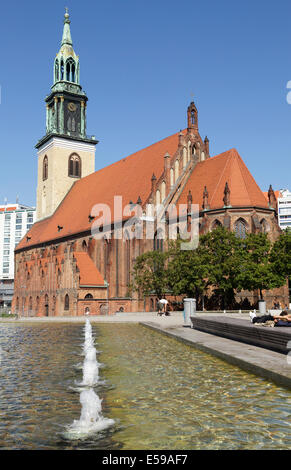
(281, 254)
(150, 273)
(188, 271)
(257, 271)
(225, 253)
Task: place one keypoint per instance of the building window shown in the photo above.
(67, 302)
(45, 168)
(74, 166)
(30, 217)
(88, 296)
(216, 224)
(158, 241)
(240, 228)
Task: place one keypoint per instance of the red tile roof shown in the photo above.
(131, 178)
(89, 274)
(214, 173)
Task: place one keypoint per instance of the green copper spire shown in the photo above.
(66, 105)
(67, 38)
(66, 67)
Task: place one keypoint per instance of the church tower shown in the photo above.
(65, 153)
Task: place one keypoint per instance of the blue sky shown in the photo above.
(140, 62)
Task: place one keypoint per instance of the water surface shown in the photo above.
(161, 393)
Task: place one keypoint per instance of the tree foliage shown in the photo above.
(257, 270)
(222, 261)
(150, 274)
(188, 271)
(281, 254)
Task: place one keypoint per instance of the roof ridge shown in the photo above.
(132, 154)
(221, 175)
(239, 161)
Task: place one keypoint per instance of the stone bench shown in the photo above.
(244, 331)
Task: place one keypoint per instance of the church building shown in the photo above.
(61, 268)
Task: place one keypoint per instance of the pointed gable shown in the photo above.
(214, 173)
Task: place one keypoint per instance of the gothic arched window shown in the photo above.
(240, 228)
(67, 302)
(158, 240)
(70, 70)
(74, 166)
(216, 224)
(88, 296)
(62, 69)
(45, 168)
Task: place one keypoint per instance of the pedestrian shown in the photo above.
(164, 303)
(160, 307)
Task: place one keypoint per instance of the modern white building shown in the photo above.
(284, 208)
(15, 221)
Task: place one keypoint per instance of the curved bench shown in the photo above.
(244, 331)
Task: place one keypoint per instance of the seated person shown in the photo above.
(284, 319)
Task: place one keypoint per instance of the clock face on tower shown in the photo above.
(72, 107)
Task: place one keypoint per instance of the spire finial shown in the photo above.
(67, 39)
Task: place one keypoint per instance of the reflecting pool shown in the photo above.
(160, 393)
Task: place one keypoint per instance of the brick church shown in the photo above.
(60, 266)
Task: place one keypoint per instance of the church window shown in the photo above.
(62, 70)
(45, 169)
(73, 72)
(75, 166)
(202, 156)
(56, 70)
(240, 228)
(192, 116)
(67, 302)
(88, 296)
(70, 70)
(216, 224)
(158, 240)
